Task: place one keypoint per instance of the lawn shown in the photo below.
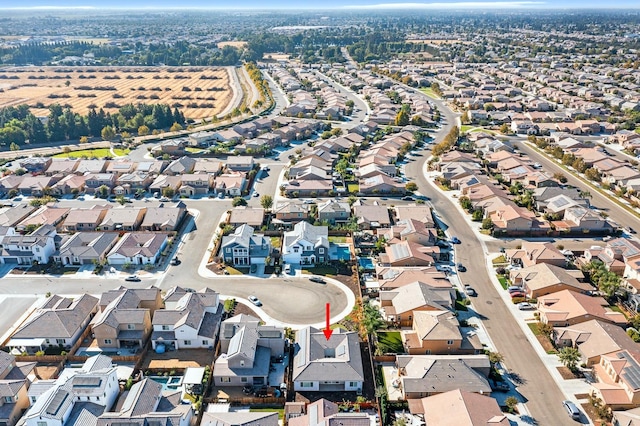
(193, 150)
(390, 342)
(429, 92)
(280, 411)
(465, 128)
(95, 153)
(500, 259)
(121, 152)
(234, 271)
(353, 188)
(503, 281)
(337, 240)
(276, 242)
(534, 328)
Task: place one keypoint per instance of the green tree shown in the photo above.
(107, 133)
(569, 357)
(411, 186)
(511, 403)
(402, 118)
(176, 127)
(103, 191)
(505, 129)
(266, 201)
(238, 201)
(487, 223)
(14, 147)
(229, 304)
(121, 200)
(372, 319)
(477, 215)
(168, 192)
(593, 174)
(465, 203)
(143, 130)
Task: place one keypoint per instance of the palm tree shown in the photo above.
(372, 319)
(569, 357)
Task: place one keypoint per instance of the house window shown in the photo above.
(8, 399)
(42, 424)
(353, 384)
(306, 384)
(295, 249)
(131, 327)
(427, 352)
(225, 379)
(228, 249)
(449, 342)
(165, 328)
(33, 399)
(321, 250)
(60, 341)
(243, 379)
(187, 342)
(107, 341)
(205, 342)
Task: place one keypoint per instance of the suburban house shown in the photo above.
(164, 218)
(323, 412)
(533, 253)
(322, 364)
(93, 181)
(15, 379)
(38, 247)
(133, 183)
(196, 184)
(138, 248)
(421, 213)
(243, 247)
(124, 317)
(425, 375)
(400, 305)
(593, 339)
(189, 320)
(238, 418)
(289, 213)
(306, 244)
(411, 230)
(77, 397)
(459, 408)
(566, 308)
(85, 219)
(45, 215)
(166, 183)
(407, 253)
(239, 163)
(617, 383)
(122, 219)
(333, 211)
(231, 184)
(371, 216)
(148, 404)
(60, 321)
(85, 248)
(252, 216)
(246, 350)
(439, 333)
(544, 278)
(36, 186)
(181, 166)
(65, 166)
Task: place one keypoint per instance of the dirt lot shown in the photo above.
(199, 92)
(178, 359)
(237, 44)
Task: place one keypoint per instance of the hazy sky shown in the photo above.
(314, 4)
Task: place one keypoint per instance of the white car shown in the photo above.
(526, 306)
(255, 300)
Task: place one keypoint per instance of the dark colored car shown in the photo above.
(461, 268)
(317, 280)
(455, 240)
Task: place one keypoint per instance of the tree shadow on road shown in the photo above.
(517, 379)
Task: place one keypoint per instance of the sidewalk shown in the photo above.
(568, 387)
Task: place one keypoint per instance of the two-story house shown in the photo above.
(306, 244)
(38, 246)
(243, 247)
(333, 212)
(93, 181)
(189, 320)
(15, 379)
(246, 350)
(196, 184)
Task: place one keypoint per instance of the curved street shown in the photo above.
(539, 391)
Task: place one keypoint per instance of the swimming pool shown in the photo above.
(343, 253)
(366, 263)
(168, 382)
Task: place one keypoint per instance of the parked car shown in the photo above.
(455, 240)
(133, 278)
(255, 300)
(317, 280)
(461, 268)
(526, 306)
(443, 244)
(256, 195)
(175, 261)
(515, 288)
(470, 291)
(517, 294)
(221, 195)
(607, 238)
(571, 408)
(408, 198)
(630, 230)
(500, 385)
(164, 199)
(502, 250)
(287, 269)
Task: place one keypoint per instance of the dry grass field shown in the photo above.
(276, 56)
(198, 92)
(236, 44)
(438, 42)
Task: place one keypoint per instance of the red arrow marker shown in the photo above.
(327, 331)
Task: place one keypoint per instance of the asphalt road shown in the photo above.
(619, 215)
(537, 388)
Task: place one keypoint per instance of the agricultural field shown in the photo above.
(198, 92)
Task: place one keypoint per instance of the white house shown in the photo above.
(38, 246)
(306, 244)
(89, 391)
(138, 248)
(190, 320)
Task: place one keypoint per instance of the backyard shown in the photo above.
(390, 342)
